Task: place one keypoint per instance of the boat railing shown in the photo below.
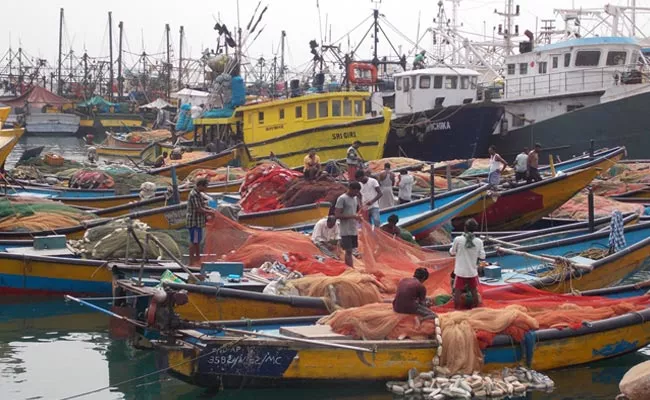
(574, 81)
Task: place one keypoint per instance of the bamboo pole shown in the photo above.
(501, 242)
(550, 259)
(173, 257)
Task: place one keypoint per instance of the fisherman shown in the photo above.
(533, 164)
(386, 183)
(177, 153)
(312, 166)
(418, 62)
(521, 165)
(353, 160)
(370, 195)
(92, 155)
(496, 167)
(468, 250)
(197, 213)
(406, 182)
(392, 229)
(160, 160)
(347, 212)
(411, 296)
(326, 235)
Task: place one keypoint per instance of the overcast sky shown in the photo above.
(34, 23)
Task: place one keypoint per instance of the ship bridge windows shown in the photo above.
(511, 69)
(555, 62)
(425, 82)
(567, 60)
(473, 82)
(587, 58)
(358, 108)
(523, 68)
(298, 112)
(541, 67)
(323, 109)
(437, 82)
(398, 83)
(281, 113)
(336, 108)
(464, 82)
(616, 57)
(311, 111)
(347, 107)
(451, 82)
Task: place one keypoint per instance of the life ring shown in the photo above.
(358, 74)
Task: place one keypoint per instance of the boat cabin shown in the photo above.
(425, 89)
(573, 67)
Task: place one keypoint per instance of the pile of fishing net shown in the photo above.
(481, 167)
(632, 172)
(577, 207)
(148, 136)
(377, 166)
(36, 168)
(388, 259)
(301, 192)
(91, 179)
(423, 182)
(263, 186)
(114, 241)
(224, 174)
(513, 310)
(187, 157)
(29, 214)
(127, 176)
(614, 187)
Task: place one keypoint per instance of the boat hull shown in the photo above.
(52, 124)
(614, 123)
(449, 133)
(8, 140)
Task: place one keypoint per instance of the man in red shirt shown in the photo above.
(411, 296)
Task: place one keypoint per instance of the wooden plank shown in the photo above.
(317, 332)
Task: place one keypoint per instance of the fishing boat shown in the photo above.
(328, 122)
(99, 116)
(634, 196)
(235, 156)
(524, 205)
(45, 112)
(292, 351)
(8, 140)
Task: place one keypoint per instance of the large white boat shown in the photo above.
(52, 123)
(42, 112)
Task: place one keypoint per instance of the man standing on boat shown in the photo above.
(347, 211)
(521, 165)
(496, 167)
(411, 295)
(370, 195)
(533, 164)
(468, 250)
(353, 160)
(406, 182)
(386, 182)
(197, 213)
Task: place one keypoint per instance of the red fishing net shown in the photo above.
(301, 192)
(89, 179)
(263, 186)
(577, 208)
(217, 175)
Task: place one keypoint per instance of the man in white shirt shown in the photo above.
(521, 165)
(468, 249)
(326, 235)
(405, 185)
(370, 195)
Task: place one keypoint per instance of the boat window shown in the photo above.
(398, 83)
(451, 82)
(281, 112)
(407, 84)
(336, 108)
(413, 83)
(555, 61)
(322, 109)
(523, 68)
(541, 67)
(260, 117)
(311, 110)
(635, 58)
(518, 119)
(587, 58)
(425, 82)
(567, 60)
(437, 82)
(347, 107)
(358, 107)
(464, 82)
(616, 57)
(473, 81)
(298, 112)
(511, 69)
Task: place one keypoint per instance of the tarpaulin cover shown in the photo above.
(38, 97)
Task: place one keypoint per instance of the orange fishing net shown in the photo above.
(351, 288)
(577, 208)
(91, 179)
(217, 175)
(263, 186)
(301, 192)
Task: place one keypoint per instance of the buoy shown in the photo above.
(635, 384)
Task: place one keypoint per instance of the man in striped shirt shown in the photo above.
(197, 213)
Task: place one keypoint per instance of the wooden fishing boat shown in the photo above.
(524, 205)
(207, 356)
(235, 155)
(328, 122)
(8, 139)
(635, 196)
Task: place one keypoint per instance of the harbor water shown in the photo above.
(52, 349)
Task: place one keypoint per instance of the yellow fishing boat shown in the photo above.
(190, 162)
(8, 137)
(327, 122)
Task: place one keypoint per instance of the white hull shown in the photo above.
(52, 123)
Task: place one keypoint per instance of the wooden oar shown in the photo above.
(545, 259)
(299, 340)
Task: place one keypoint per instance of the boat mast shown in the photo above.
(110, 52)
(180, 59)
(85, 80)
(282, 38)
(120, 79)
(60, 78)
(168, 65)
